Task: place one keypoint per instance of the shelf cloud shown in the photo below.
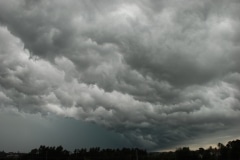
(160, 73)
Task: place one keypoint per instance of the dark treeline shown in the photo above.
(58, 153)
(230, 151)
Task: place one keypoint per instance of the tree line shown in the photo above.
(230, 151)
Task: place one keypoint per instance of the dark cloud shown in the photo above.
(161, 73)
(27, 131)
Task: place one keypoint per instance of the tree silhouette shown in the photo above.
(230, 151)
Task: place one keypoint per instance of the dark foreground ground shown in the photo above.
(230, 151)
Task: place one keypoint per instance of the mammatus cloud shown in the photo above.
(160, 73)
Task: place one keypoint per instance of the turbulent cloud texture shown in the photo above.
(160, 73)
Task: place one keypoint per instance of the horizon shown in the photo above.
(191, 148)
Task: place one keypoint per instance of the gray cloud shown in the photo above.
(159, 72)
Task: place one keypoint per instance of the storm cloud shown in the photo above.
(160, 73)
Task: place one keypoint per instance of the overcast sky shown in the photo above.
(155, 74)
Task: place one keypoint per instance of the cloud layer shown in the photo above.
(158, 72)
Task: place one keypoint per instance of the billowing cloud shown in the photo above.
(159, 72)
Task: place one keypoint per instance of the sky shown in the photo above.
(153, 74)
